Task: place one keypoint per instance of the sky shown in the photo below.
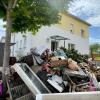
(2, 30)
(88, 10)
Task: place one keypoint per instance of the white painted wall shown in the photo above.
(43, 38)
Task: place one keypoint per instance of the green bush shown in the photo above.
(75, 55)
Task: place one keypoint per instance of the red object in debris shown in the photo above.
(46, 67)
(91, 86)
(1, 90)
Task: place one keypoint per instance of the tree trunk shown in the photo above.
(7, 45)
(7, 42)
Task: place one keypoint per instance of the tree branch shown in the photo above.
(14, 4)
(5, 6)
(0, 5)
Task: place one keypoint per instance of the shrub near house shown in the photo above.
(75, 55)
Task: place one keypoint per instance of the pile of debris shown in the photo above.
(62, 74)
(57, 73)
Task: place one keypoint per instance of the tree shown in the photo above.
(25, 15)
(94, 47)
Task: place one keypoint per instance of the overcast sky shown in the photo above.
(88, 10)
(2, 30)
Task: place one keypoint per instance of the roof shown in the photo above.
(57, 37)
(11, 44)
(77, 18)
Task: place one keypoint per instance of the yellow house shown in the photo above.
(74, 25)
(70, 32)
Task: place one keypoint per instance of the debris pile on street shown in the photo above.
(62, 74)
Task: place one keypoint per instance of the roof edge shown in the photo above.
(65, 12)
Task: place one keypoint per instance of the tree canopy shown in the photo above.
(94, 47)
(30, 15)
(27, 15)
(2, 9)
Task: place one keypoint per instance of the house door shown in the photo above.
(54, 45)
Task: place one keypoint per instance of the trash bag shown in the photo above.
(59, 53)
(27, 59)
(4, 87)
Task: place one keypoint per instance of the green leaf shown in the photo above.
(31, 15)
(2, 12)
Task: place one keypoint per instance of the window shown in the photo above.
(71, 28)
(71, 31)
(71, 46)
(24, 44)
(82, 33)
(20, 44)
(54, 45)
(17, 44)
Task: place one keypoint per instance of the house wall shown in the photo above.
(43, 38)
(67, 20)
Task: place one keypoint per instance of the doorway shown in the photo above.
(54, 45)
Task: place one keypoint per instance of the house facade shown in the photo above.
(70, 32)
